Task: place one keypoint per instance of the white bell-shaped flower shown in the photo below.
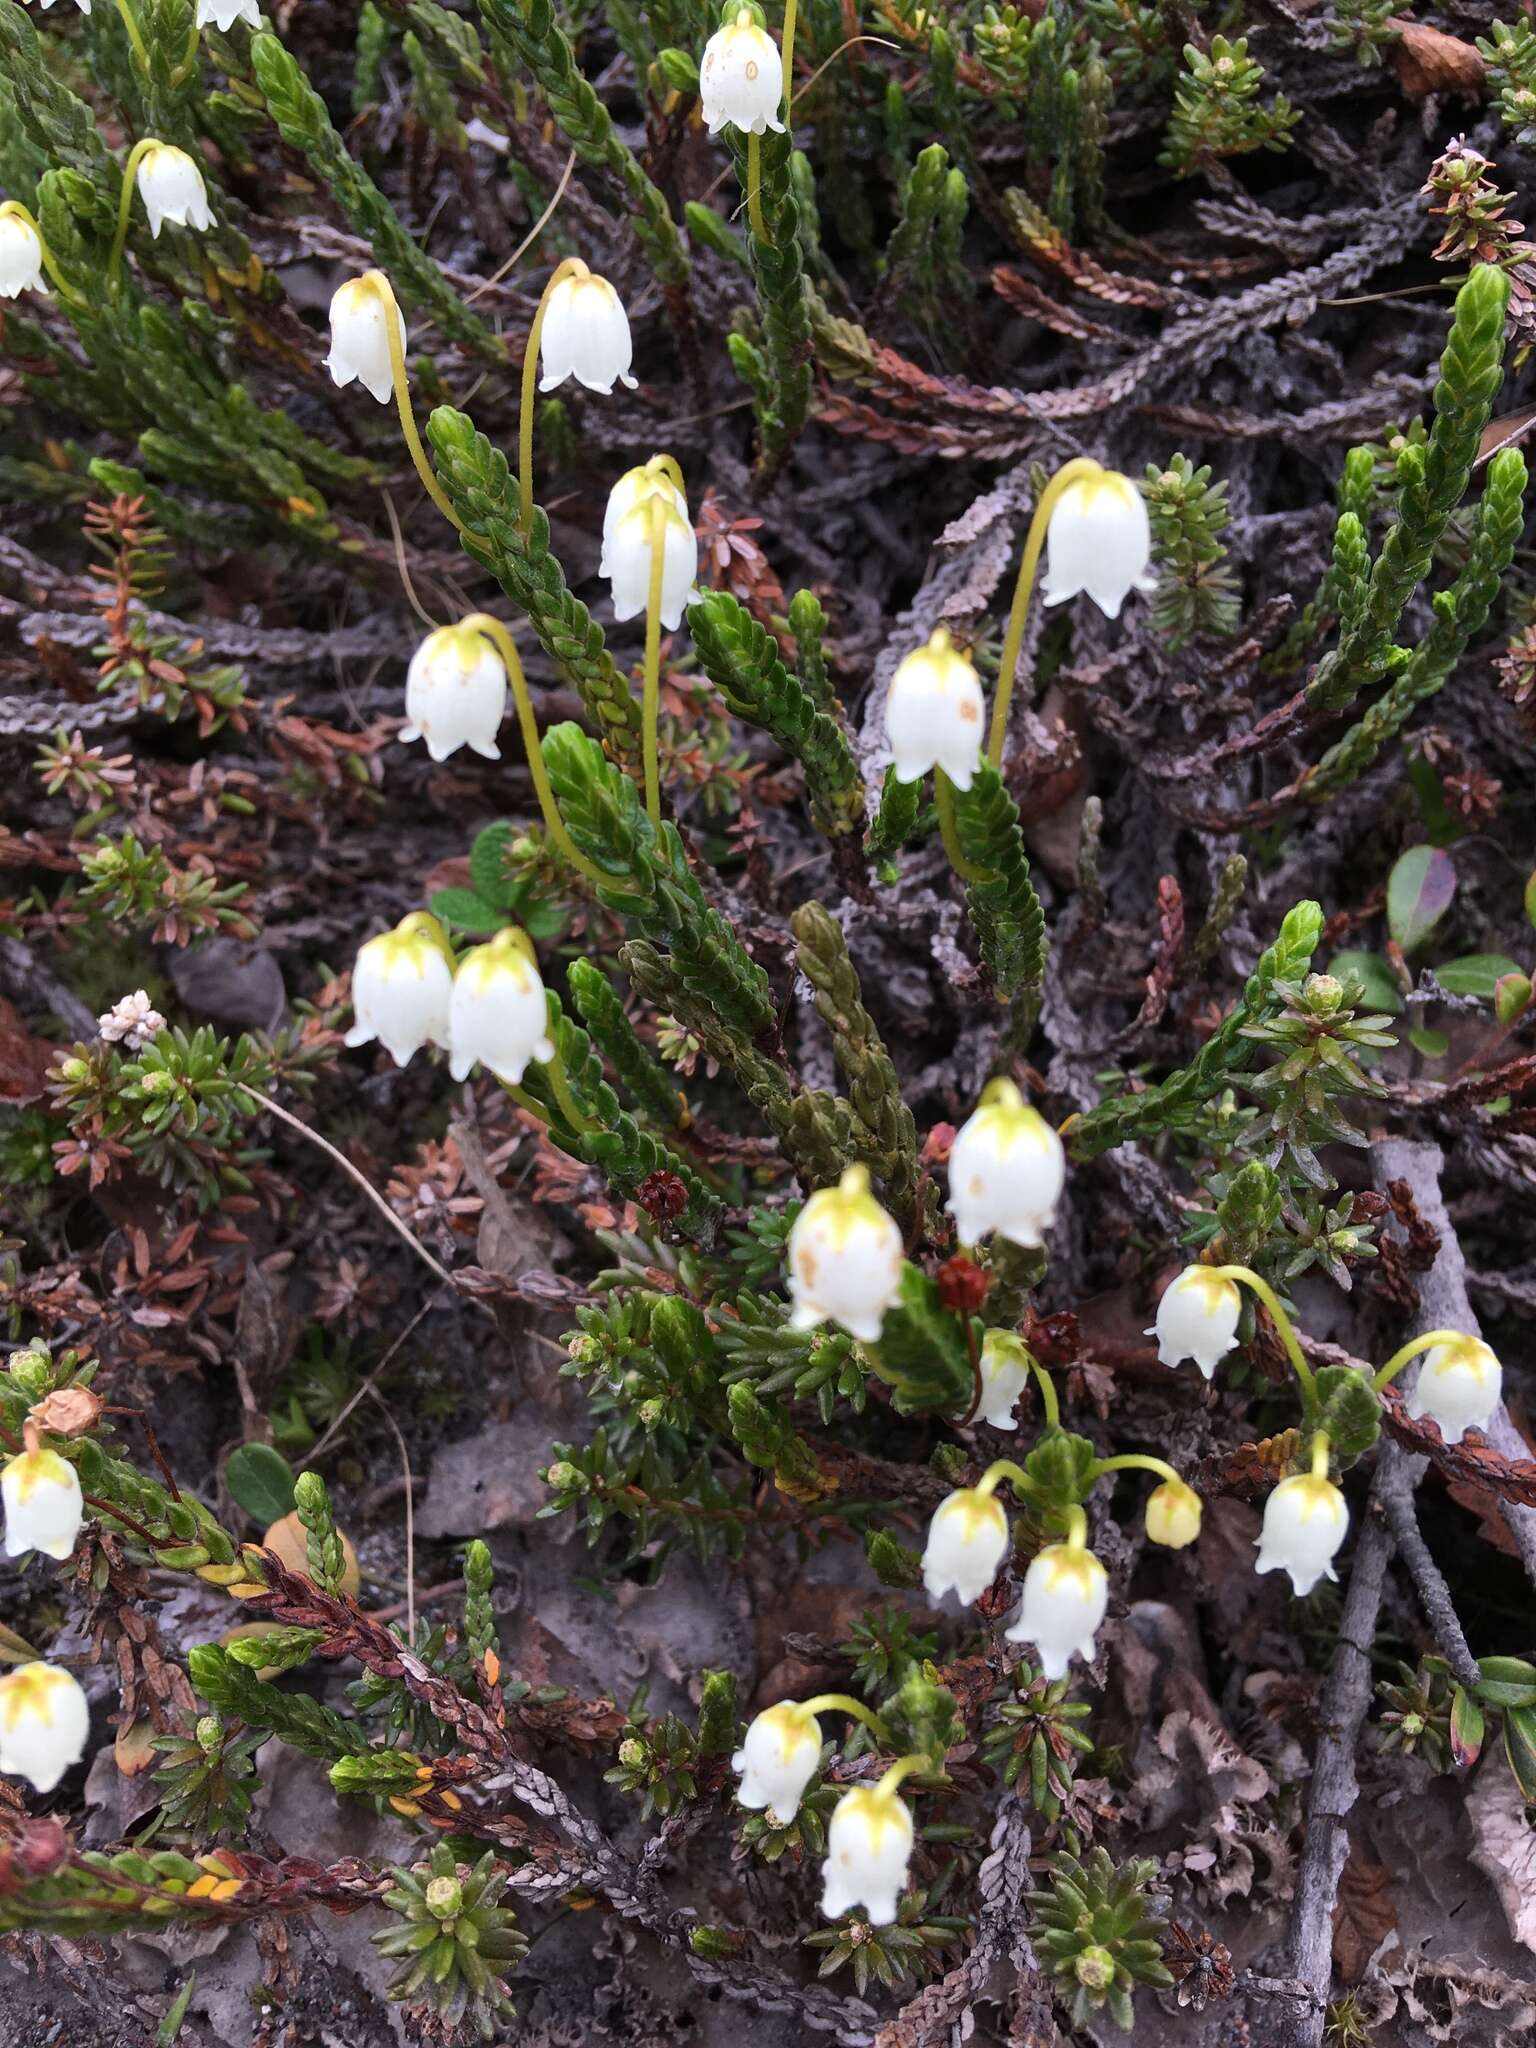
(44, 1723)
(1066, 1592)
(1173, 1514)
(1098, 540)
(498, 1014)
(741, 78)
(1007, 1168)
(967, 1541)
(1004, 1376)
(223, 14)
(455, 693)
(1305, 1523)
(360, 313)
(933, 713)
(845, 1259)
(1197, 1318)
(43, 1504)
(172, 188)
(83, 5)
(1459, 1386)
(402, 983)
(777, 1760)
(585, 335)
(646, 508)
(21, 256)
(869, 1845)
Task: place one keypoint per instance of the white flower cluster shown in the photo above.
(132, 1021)
(489, 1006)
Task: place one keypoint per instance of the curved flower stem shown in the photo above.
(672, 469)
(572, 266)
(1136, 1461)
(183, 70)
(136, 156)
(402, 384)
(903, 1767)
(1077, 1530)
(944, 799)
(135, 37)
(1282, 1323)
(755, 188)
(1320, 1454)
(1047, 1391)
(560, 1088)
(996, 1473)
(12, 209)
(789, 58)
(526, 1101)
(554, 824)
(650, 702)
(825, 1702)
(1399, 1359)
(1023, 589)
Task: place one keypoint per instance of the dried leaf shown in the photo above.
(1364, 1915)
(1428, 60)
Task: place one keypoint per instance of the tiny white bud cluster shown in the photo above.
(132, 1021)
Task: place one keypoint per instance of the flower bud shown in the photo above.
(43, 1504)
(1095, 1968)
(1305, 1523)
(1004, 1376)
(777, 1760)
(845, 1259)
(21, 256)
(172, 188)
(360, 313)
(223, 14)
(497, 1013)
(44, 1722)
(32, 1370)
(741, 80)
(1458, 1387)
(967, 1541)
(1173, 1514)
(933, 713)
(869, 1845)
(455, 693)
(585, 335)
(645, 505)
(1066, 1592)
(444, 1897)
(1197, 1318)
(1007, 1169)
(402, 983)
(1098, 540)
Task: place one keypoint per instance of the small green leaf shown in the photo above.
(260, 1480)
(1374, 975)
(15, 1649)
(1520, 1748)
(1419, 893)
(1511, 997)
(1530, 899)
(466, 911)
(1433, 1045)
(1506, 1682)
(1468, 1727)
(1475, 974)
(175, 2013)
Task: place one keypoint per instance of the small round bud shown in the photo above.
(1173, 1514)
(632, 1753)
(561, 1475)
(1095, 1969)
(445, 1898)
(1324, 992)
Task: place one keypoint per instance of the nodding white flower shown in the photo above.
(1305, 1522)
(777, 1760)
(455, 693)
(869, 1845)
(132, 1021)
(83, 5)
(845, 1259)
(1066, 1591)
(585, 335)
(967, 1541)
(1098, 540)
(172, 188)
(1173, 1514)
(741, 78)
(933, 713)
(1007, 1168)
(646, 504)
(21, 256)
(222, 14)
(360, 312)
(44, 1722)
(497, 1013)
(1004, 1376)
(43, 1504)
(1197, 1318)
(1458, 1386)
(402, 982)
